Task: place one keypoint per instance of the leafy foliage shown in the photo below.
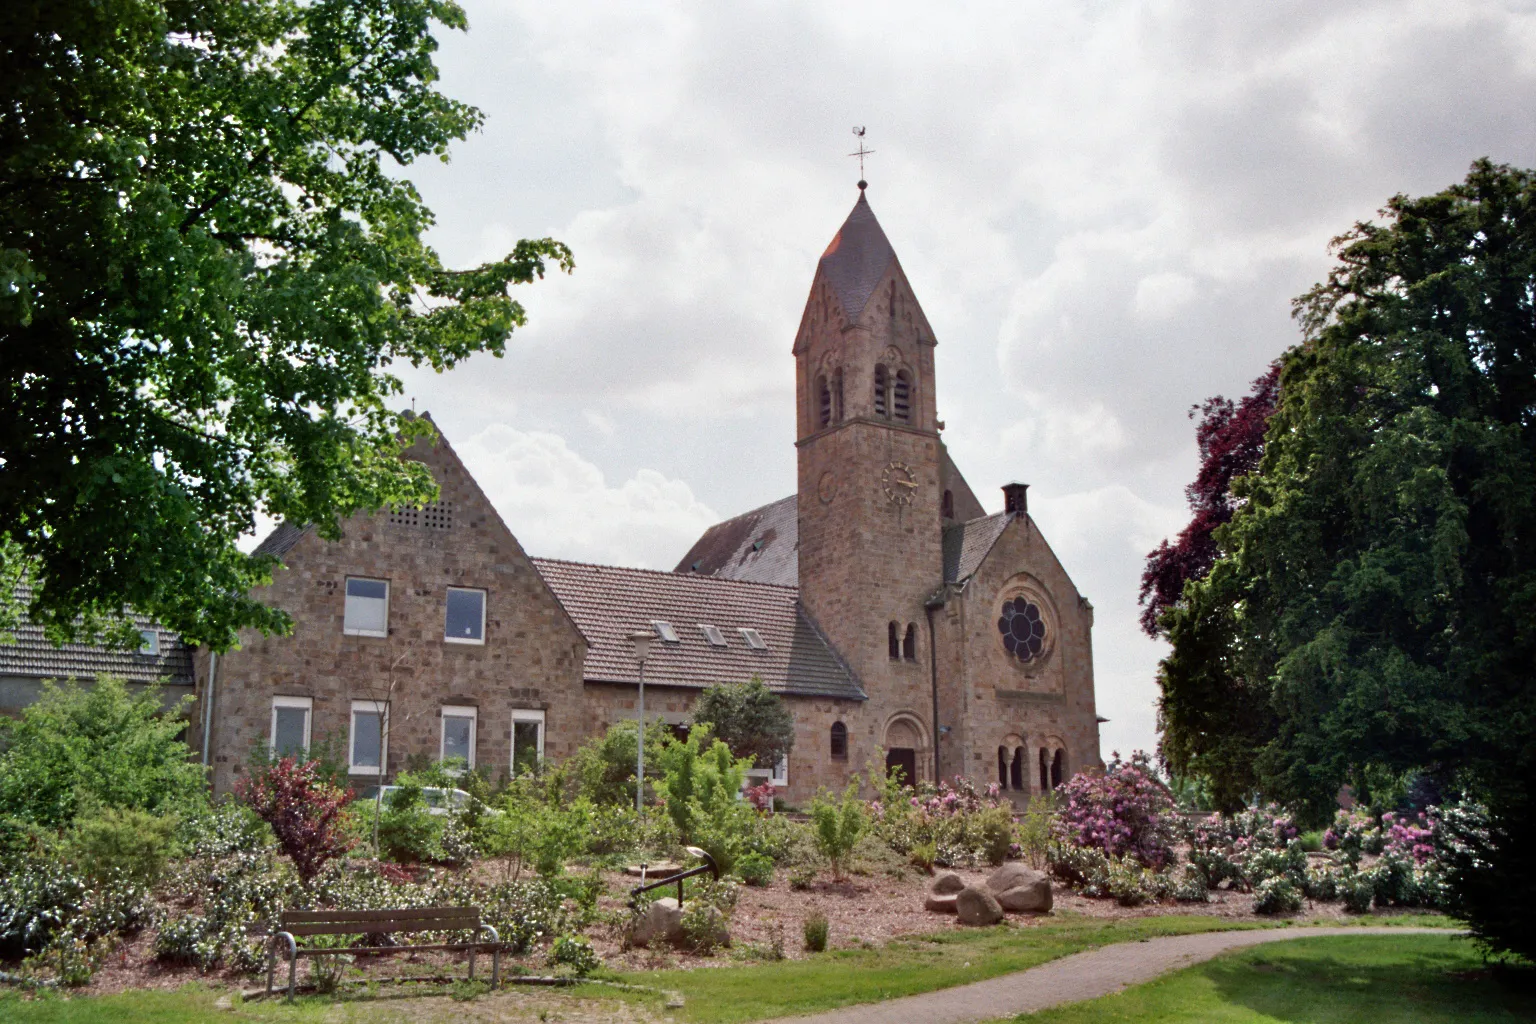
(1230, 437)
(133, 845)
(838, 826)
(961, 825)
(1374, 605)
(752, 720)
(575, 954)
(814, 931)
(604, 767)
(700, 786)
(96, 744)
(303, 810)
(206, 269)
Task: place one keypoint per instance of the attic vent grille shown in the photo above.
(712, 634)
(436, 516)
(753, 638)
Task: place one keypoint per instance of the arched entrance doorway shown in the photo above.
(903, 739)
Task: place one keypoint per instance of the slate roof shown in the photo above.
(857, 258)
(608, 603)
(281, 540)
(966, 544)
(760, 546)
(32, 656)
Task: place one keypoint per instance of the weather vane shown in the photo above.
(861, 153)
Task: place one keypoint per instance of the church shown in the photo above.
(901, 623)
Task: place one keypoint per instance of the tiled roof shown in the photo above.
(281, 540)
(32, 656)
(857, 258)
(608, 603)
(761, 546)
(966, 544)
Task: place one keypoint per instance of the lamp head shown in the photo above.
(641, 640)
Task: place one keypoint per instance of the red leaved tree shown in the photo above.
(1231, 439)
(303, 809)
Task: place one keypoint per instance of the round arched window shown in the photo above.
(1023, 628)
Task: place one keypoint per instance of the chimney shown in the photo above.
(1015, 498)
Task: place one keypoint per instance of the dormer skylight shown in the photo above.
(665, 631)
(753, 638)
(712, 634)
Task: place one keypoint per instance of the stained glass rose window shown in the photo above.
(1023, 628)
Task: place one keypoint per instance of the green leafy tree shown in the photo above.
(1373, 608)
(701, 786)
(603, 768)
(752, 720)
(207, 271)
(96, 746)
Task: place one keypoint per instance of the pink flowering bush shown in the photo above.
(1353, 834)
(761, 797)
(962, 824)
(1408, 837)
(1124, 812)
(1246, 848)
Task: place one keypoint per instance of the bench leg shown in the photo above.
(496, 967)
(471, 963)
(293, 973)
(271, 965)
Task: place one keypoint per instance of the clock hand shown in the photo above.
(906, 483)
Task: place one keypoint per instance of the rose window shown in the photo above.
(1023, 628)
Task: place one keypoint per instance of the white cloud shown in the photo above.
(560, 506)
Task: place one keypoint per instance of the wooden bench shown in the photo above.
(381, 922)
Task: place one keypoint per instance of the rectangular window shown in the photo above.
(290, 725)
(665, 631)
(464, 622)
(780, 775)
(367, 609)
(712, 634)
(527, 741)
(459, 735)
(149, 641)
(370, 736)
(753, 638)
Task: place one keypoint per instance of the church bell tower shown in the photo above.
(870, 492)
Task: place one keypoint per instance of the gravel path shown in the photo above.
(1072, 979)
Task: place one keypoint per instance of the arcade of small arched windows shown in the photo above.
(1013, 766)
(901, 646)
(829, 398)
(894, 394)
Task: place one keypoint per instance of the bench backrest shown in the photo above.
(350, 922)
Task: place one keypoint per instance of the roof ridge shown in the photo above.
(669, 573)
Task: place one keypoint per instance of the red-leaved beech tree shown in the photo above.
(303, 809)
(1231, 439)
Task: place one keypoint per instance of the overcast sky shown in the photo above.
(1105, 209)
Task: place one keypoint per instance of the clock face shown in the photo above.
(826, 488)
(899, 483)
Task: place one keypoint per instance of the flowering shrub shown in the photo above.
(761, 797)
(1352, 834)
(1408, 837)
(1124, 812)
(1246, 848)
(962, 825)
(303, 809)
(1277, 895)
(575, 954)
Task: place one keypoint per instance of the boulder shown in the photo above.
(946, 884)
(661, 920)
(940, 903)
(1020, 889)
(977, 906)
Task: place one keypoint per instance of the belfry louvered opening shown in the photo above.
(901, 397)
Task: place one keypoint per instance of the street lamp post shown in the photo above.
(641, 639)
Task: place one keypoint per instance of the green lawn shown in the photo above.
(1356, 979)
(723, 995)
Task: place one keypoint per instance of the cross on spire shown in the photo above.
(861, 153)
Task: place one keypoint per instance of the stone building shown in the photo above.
(897, 619)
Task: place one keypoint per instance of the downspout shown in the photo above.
(213, 671)
(929, 607)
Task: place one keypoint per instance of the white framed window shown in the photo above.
(464, 616)
(778, 774)
(368, 742)
(149, 641)
(712, 634)
(290, 725)
(527, 740)
(366, 612)
(458, 735)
